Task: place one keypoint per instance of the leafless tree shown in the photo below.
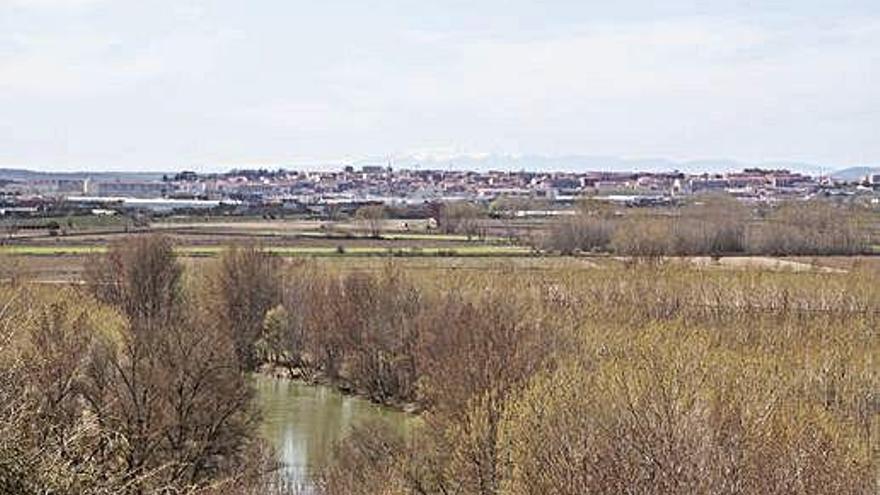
(373, 216)
(243, 286)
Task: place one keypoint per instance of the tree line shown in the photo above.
(717, 226)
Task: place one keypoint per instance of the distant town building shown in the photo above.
(346, 188)
(135, 189)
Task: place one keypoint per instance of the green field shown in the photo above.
(288, 251)
(41, 250)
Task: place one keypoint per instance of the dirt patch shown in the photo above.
(762, 262)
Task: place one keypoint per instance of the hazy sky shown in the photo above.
(163, 84)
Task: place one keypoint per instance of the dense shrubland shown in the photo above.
(237, 293)
(653, 379)
(717, 226)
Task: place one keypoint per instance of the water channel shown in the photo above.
(304, 421)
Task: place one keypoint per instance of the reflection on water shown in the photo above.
(303, 422)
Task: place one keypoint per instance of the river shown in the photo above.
(304, 421)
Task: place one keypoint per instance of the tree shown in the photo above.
(584, 231)
(461, 217)
(87, 405)
(244, 284)
(373, 217)
(814, 227)
(141, 276)
(168, 383)
(178, 399)
(46, 443)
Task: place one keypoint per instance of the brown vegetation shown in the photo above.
(373, 216)
(716, 226)
(461, 217)
(812, 228)
(583, 233)
(239, 291)
(661, 380)
(141, 277)
(132, 391)
(360, 326)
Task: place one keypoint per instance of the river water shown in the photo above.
(304, 421)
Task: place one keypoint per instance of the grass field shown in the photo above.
(471, 250)
(289, 237)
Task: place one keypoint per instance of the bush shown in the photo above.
(675, 416)
(665, 380)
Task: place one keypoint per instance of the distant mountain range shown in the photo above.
(582, 163)
(855, 173)
(493, 161)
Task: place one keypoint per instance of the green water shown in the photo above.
(304, 421)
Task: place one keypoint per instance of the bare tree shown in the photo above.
(170, 384)
(373, 217)
(178, 399)
(816, 227)
(461, 217)
(243, 286)
(141, 276)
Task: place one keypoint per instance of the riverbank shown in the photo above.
(341, 385)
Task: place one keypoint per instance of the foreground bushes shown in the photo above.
(661, 380)
(670, 415)
(125, 388)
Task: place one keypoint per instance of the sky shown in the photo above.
(209, 84)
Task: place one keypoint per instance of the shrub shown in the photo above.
(662, 418)
(672, 380)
